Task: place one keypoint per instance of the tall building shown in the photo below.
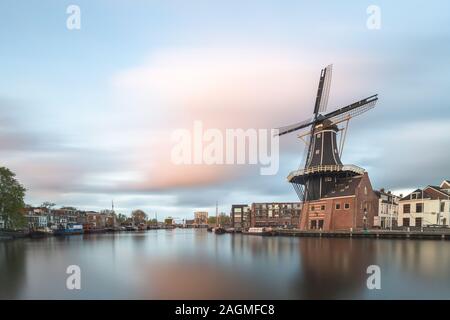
(201, 218)
(387, 216)
(240, 216)
(426, 207)
(275, 214)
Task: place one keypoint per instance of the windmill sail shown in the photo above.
(295, 127)
(323, 90)
(326, 89)
(352, 110)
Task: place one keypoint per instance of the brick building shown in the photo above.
(275, 214)
(352, 204)
(240, 216)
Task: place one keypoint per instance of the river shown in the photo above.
(196, 264)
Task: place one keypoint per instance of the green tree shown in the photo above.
(139, 216)
(11, 199)
(121, 218)
(212, 220)
(223, 219)
(47, 205)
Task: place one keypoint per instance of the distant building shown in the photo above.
(387, 216)
(276, 214)
(425, 207)
(201, 218)
(168, 221)
(94, 220)
(62, 217)
(37, 217)
(240, 216)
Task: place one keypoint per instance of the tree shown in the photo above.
(212, 220)
(11, 199)
(139, 216)
(121, 218)
(48, 205)
(223, 219)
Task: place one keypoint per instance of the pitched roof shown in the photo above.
(419, 193)
(445, 183)
(344, 187)
(427, 193)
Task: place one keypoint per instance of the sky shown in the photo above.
(86, 115)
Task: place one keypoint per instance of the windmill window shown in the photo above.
(322, 208)
(338, 206)
(328, 179)
(318, 135)
(347, 206)
(317, 151)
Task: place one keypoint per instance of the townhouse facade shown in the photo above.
(388, 203)
(426, 207)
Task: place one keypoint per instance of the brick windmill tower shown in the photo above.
(335, 196)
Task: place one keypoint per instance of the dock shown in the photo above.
(376, 234)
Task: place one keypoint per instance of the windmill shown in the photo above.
(322, 170)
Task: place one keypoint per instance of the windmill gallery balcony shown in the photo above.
(314, 170)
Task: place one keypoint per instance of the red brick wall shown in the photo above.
(342, 218)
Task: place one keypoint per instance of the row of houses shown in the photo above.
(427, 207)
(39, 217)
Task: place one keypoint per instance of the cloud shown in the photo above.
(223, 88)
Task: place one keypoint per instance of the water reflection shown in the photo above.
(195, 264)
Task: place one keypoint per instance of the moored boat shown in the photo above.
(259, 231)
(71, 229)
(41, 233)
(131, 228)
(219, 230)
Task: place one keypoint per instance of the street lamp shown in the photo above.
(365, 219)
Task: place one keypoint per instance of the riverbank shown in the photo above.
(380, 234)
(374, 234)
